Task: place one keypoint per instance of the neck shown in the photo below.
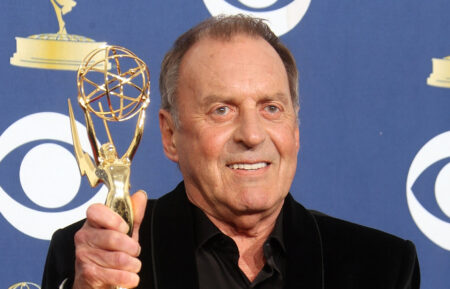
(249, 233)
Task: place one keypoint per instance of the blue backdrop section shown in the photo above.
(366, 111)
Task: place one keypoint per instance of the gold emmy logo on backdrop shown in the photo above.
(112, 95)
(24, 285)
(54, 50)
(440, 76)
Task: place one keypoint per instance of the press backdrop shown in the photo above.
(375, 138)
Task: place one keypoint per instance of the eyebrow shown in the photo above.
(229, 99)
(215, 98)
(277, 96)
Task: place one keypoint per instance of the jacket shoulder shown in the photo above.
(350, 233)
(354, 252)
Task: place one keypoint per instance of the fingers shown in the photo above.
(100, 216)
(139, 201)
(108, 240)
(105, 255)
(109, 259)
(105, 258)
(91, 277)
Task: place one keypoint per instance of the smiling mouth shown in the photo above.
(249, 167)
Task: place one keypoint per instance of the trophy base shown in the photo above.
(441, 73)
(53, 51)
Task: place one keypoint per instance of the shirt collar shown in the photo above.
(205, 230)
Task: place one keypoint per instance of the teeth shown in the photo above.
(248, 166)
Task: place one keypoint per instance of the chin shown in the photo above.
(255, 202)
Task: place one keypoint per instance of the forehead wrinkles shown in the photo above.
(216, 58)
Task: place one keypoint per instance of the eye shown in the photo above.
(223, 110)
(271, 109)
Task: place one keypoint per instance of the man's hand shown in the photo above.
(105, 255)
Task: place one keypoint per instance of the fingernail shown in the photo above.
(145, 193)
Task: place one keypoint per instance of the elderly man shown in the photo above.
(229, 120)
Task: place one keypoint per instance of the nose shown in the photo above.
(250, 130)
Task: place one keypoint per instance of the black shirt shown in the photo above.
(217, 258)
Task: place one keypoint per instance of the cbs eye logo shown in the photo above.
(48, 175)
(281, 19)
(435, 226)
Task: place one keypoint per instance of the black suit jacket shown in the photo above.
(322, 252)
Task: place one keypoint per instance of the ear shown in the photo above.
(167, 128)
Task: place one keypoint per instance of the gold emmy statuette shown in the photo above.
(119, 95)
(59, 50)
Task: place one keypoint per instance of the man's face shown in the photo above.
(238, 138)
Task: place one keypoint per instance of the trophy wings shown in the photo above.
(84, 161)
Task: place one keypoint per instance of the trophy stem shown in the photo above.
(121, 204)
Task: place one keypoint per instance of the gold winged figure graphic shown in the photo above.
(62, 7)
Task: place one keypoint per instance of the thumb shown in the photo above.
(139, 201)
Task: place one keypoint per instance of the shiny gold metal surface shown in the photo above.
(124, 91)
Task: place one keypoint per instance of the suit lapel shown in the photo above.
(304, 265)
(174, 241)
